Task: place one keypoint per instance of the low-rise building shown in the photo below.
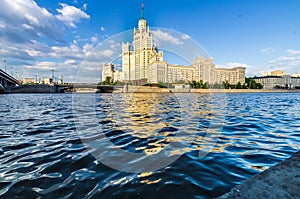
(278, 73)
(274, 73)
(48, 81)
(28, 81)
(296, 75)
(278, 82)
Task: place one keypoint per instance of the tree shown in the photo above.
(107, 81)
(238, 86)
(259, 86)
(198, 85)
(250, 83)
(226, 84)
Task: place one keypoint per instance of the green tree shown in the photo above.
(238, 86)
(250, 83)
(259, 86)
(107, 81)
(226, 84)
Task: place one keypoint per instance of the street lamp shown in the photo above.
(129, 62)
(36, 78)
(4, 65)
(52, 70)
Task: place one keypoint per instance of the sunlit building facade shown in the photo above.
(107, 71)
(278, 82)
(232, 75)
(145, 64)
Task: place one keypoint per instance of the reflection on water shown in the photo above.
(42, 153)
(145, 114)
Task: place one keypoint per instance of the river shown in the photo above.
(141, 145)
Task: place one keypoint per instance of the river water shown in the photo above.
(141, 145)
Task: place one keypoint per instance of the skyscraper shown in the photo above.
(136, 64)
(145, 64)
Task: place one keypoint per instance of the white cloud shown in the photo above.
(23, 27)
(293, 52)
(17, 14)
(73, 52)
(185, 37)
(32, 20)
(94, 39)
(43, 69)
(71, 15)
(161, 38)
(84, 6)
(290, 62)
(268, 50)
(34, 53)
(102, 29)
(70, 62)
(44, 66)
(26, 26)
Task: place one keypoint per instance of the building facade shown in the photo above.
(232, 75)
(141, 63)
(145, 64)
(28, 81)
(107, 71)
(278, 82)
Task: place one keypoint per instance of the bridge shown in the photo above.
(85, 88)
(7, 81)
(11, 85)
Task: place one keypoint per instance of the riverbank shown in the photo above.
(279, 181)
(240, 91)
(34, 88)
(134, 89)
(144, 89)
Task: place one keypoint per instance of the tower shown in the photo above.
(136, 64)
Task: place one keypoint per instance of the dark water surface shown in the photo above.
(43, 151)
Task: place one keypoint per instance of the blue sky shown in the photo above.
(37, 35)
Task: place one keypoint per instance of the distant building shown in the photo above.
(60, 79)
(204, 69)
(296, 75)
(48, 81)
(278, 82)
(28, 81)
(232, 76)
(276, 73)
(176, 73)
(107, 71)
(118, 76)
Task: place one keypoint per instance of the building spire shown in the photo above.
(143, 14)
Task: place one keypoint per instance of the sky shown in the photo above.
(75, 37)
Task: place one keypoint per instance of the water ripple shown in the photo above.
(42, 155)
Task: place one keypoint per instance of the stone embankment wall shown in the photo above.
(39, 88)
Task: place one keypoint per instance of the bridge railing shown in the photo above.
(8, 78)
